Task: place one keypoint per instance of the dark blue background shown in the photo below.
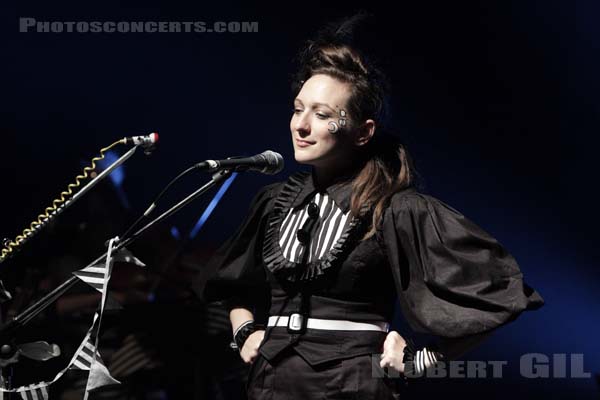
(498, 102)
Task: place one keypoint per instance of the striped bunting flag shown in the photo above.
(93, 276)
(88, 358)
(99, 377)
(85, 355)
(34, 392)
(98, 275)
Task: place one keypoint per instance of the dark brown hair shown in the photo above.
(387, 167)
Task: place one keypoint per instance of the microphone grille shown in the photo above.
(274, 162)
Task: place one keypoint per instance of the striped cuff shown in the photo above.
(417, 362)
(424, 359)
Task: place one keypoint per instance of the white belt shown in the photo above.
(331, 324)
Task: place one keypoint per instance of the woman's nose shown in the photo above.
(301, 125)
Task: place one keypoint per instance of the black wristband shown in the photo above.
(242, 333)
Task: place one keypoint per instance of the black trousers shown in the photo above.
(291, 377)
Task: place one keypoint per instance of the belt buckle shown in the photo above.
(295, 323)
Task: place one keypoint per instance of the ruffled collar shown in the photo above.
(297, 189)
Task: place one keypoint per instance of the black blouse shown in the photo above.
(450, 277)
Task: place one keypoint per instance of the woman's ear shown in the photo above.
(365, 133)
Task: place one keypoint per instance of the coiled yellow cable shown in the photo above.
(65, 195)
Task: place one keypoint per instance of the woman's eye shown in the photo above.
(322, 116)
(296, 110)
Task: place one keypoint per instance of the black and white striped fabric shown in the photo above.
(85, 356)
(35, 393)
(324, 233)
(423, 360)
(93, 276)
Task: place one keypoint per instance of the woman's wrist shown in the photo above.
(243, 331)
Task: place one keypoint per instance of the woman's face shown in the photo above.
(319, 127)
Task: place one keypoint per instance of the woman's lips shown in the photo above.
(303, 143)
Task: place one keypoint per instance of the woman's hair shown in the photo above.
(387, 167)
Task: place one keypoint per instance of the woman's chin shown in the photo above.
(302, 158)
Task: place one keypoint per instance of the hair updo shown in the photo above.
(387, 166)
(368, 86)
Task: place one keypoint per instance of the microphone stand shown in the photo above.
(8, 330)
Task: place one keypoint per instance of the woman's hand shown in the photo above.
(393, 352)
(251, 345)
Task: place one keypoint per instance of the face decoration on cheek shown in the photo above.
(334, 127)
(319, 119)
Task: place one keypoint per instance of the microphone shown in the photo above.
(145, 141)
(267, 162)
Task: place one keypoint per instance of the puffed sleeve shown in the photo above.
(236, 273)
(453, 279)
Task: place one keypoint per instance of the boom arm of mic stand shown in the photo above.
(8, 330)
(78, 195)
